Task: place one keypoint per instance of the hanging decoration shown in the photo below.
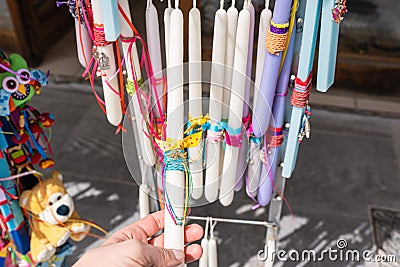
(25, 135)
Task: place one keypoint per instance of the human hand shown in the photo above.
(134, 246)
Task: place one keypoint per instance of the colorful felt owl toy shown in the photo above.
(17, 83)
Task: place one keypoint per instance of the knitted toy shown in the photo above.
(54, 219)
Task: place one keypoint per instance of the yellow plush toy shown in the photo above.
(54, 218)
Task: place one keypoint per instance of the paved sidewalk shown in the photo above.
(350, 162)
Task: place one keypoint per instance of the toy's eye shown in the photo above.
(24, 76)
(50, 203)
(10, 84)
(58, 198)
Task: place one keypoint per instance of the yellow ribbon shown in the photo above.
(189, 141)
(197, 122)
(291, 26)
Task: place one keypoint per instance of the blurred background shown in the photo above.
(351, 162)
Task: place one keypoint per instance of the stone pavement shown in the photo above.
(351, 161)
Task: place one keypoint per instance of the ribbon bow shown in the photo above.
(196, 123)
(189, 141)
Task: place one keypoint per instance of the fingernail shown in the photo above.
(179, 255)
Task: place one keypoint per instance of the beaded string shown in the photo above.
(176, 160)
(339, 10)
(305, 128)
(233, 137)
(276, 37)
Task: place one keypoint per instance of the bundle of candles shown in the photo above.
(231, 145)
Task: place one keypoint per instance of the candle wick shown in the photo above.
(194, 3)
(176, 3)
(266, 3)
(233, 3)
(148, 4)
(221, 4)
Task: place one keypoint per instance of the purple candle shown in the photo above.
(242, 163)
(278, 29)
(266, 186)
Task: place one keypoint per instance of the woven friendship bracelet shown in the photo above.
(276, 37)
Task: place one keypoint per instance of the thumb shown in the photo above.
(158, 256)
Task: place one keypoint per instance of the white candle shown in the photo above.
(167, 21)
(216, 98)
(111, 99)
(85, 48)
(203, 261)
(255, 162)
(175, 180)
(144, 203)
(195, 94)
(133, 70)
(212, 253)
(265, 23)
(232, 14)
(236, 105)
(154, 46)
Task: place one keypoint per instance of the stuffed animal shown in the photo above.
(54, 219)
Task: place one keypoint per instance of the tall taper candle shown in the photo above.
(195, 96)
(215, 108)
(133, 70)
(167, 23)
(236, 106)
(254, 166)
(232, 20)
(262, 112)
(85, 48)
(154, 46)
(266, 186)
(306, 59)
(175, 180)
(242, 162)
(111, 99)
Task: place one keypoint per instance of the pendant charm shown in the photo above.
(339, 10)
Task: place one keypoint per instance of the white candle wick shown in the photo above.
(221, 4)
(266, 3)
(148, 4)
(194, 3)
(169, 4)
(233, 3)
(177, 4)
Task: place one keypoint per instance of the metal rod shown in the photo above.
(249, 222)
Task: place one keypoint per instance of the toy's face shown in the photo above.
(59, 209)
(18, 86)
